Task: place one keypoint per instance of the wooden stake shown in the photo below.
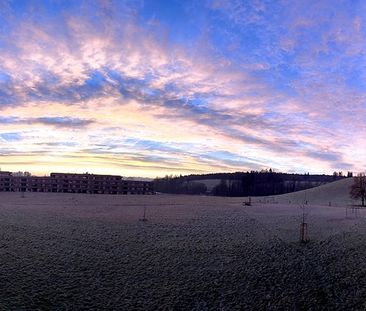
(144, 218)
(304, 232)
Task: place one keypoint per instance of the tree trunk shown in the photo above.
(363, 200)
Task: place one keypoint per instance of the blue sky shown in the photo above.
(150, 88)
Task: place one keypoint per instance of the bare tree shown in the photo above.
(358, 188)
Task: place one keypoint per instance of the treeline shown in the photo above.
(243, 183)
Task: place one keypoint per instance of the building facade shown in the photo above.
(74, 183)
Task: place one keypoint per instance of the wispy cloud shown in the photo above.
(62, 121)
(7, 137)
(66, 122)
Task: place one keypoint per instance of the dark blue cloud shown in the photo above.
(54, 121)
(62, 121)
(330, 156)
(8, 120)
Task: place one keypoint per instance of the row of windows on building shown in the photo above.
(74, 183)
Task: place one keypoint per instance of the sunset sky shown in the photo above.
(148, 88)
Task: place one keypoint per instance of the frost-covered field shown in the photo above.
(71, 252)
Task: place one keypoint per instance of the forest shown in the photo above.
(253, 183)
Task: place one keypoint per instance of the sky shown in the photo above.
(149, 88)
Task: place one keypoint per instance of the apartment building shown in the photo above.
(74, 183)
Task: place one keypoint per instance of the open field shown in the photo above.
(71, 252)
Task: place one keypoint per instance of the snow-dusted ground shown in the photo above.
(334, 193)
(71, 252)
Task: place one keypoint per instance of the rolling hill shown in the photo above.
(337, 193)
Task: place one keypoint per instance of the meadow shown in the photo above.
(74, 252)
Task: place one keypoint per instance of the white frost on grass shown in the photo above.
(65, 251)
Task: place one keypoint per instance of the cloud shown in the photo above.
(325, 156)
(10, 136)
(62, 121)
(8, 120)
